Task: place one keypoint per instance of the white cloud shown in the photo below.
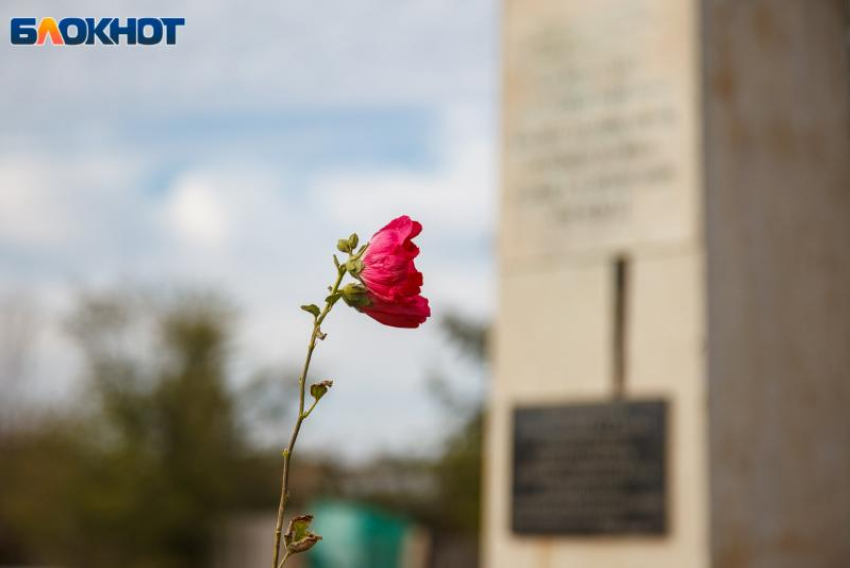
(53, 201)
(29, 213)
(196, 214)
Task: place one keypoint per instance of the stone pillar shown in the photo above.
(675, 227)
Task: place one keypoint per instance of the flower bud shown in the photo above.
(318, 390)
(342, 245)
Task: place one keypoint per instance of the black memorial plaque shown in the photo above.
(590, 469)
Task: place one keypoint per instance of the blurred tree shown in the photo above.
(18, 331)
(142, 479)
(456, 526)
(459, 466)
(472, 338)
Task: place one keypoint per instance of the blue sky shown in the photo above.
(234, 161)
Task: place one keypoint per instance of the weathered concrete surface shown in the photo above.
(778, 235)
(553, 345)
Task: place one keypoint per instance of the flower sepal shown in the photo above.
(356, 296)
(354, 267)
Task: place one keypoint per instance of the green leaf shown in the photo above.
(333, 298)
(343, 246)
(311, 309)
(353, 240)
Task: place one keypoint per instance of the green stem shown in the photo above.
(312, 406)
(302, 381)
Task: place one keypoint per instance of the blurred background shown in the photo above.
(165, 210)
(163, 213)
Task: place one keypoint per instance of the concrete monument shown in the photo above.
(673, 337)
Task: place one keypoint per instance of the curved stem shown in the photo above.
(302, 381)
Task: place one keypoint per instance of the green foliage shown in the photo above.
(459, 477)
(311, 309)
(142, 479)
(458, 469)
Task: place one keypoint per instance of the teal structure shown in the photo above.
(357, 536)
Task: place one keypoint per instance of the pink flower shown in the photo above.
(388, 269)
(391, 289)
(405, 312)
